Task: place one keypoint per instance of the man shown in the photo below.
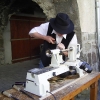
(60, 30)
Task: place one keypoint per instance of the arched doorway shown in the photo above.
(19, 45)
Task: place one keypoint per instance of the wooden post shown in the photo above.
(93, 91)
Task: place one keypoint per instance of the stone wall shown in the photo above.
(90, 49)
(88, 32)
(3, 22)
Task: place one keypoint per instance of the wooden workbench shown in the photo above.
(65, 90)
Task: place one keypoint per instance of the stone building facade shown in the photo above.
(81, 12)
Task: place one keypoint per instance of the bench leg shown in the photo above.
(93, 91)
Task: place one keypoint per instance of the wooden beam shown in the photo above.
(93, 91)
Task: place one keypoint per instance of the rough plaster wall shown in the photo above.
(7, 44)
(47, 6)
(4, 12)
(87, 15)
(3, 22)
(88, 31)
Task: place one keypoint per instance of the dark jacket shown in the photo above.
(47, 60)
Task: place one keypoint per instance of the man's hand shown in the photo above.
(50, 39)
(61, 46)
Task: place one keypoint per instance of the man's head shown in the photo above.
(62, 24)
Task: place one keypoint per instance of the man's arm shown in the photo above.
(38, 35)
(43, 37)
(41, 33)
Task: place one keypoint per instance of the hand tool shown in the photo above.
(20, 83)
(9, 95)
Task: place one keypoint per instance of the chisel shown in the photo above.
(9, 95)
(20, 83)
(19, 89)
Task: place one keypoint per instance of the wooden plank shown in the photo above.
(82, 86)
(19, 29)
(93, 91)
(15, 17)
(13, 28)
(20, 49)
(22, 29)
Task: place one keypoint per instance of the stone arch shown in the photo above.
(5, 16)
(52, 7)
(48, 7)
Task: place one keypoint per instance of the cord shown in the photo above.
(52, 95)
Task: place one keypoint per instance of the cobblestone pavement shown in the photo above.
(85, 95)
(9, 74)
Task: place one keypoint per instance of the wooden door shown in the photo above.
(23, 46)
